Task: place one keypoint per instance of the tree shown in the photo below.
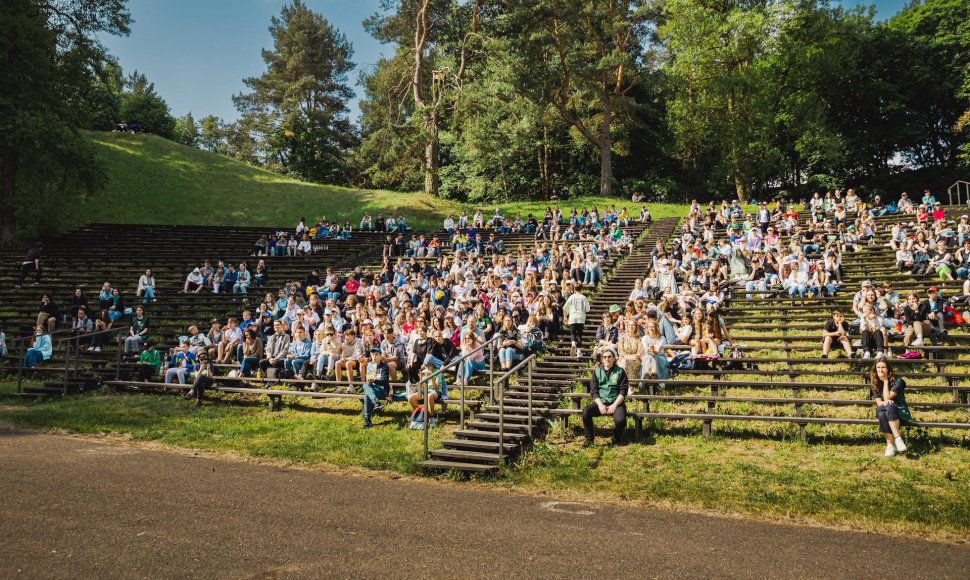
(590, 55)
(150, 112)
(212, 134)
(49, 59)
(186, 131)
(434, 42)
(297, 110)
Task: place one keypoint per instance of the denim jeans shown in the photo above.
(437, 363)
(752, 285)
(294, 364)
(248, 365)
(467, 368)
(372, 395)
(508, 354)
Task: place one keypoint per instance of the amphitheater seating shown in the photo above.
(782, 381)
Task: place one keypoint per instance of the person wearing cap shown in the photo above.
(607, 334)
(905, 204)
(608, 386)
(933, 307)
(878, 208)
(203, 379)
(377, 385)
(148, 362)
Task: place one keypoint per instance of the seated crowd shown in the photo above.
(420, 313)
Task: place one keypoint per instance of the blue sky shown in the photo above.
(198, 51)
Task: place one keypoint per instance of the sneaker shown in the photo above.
(586, 444)
(900, 445)
(917, 342)
(890, 450)
(367, 425)
(97, 349)
(431, 423)
(880, 355)
(90, 349)
(824, 356)
(380, 406)
(629, 392)
(867, 354)
(579, 352)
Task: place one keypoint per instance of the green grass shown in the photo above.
(304, 432)
(153, 180)
(839, 478)
(847, 484)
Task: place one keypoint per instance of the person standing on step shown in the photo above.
(608, 387)
(575, 309)
(31, 263)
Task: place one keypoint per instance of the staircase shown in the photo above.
(476, 447)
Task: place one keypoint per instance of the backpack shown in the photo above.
(417, 419)
(682, 362)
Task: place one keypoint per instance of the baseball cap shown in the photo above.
(375, 349)
(866, 283)
(932, 289)
(614, 308)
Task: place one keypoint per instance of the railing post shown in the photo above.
(461, 387)
(501, 429)
(491, 372)
(427, 416)
(20, 367)
(531, 360)
(118, 366)
(67, 363)
(77, 353)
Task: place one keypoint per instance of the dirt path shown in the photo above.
(81, 509)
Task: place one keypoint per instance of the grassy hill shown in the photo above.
(153, 180)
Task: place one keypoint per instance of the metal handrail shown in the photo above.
(423, 383)
(503, 379)
(67, 341)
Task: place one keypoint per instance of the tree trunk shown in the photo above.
(8, 190)
(431, 160)
(606, 149)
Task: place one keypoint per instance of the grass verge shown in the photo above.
(839, 479)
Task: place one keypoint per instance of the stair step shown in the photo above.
(493, 426)
(439, 465)
(489, 435)
(522, 411)
(479, 445)
(465, 456)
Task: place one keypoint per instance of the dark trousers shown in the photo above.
(25, 271)
(199, 385)
(872, 340)
(885, 414)
(576, 334)
(265, 364)
(619, 421)
(145, 371)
